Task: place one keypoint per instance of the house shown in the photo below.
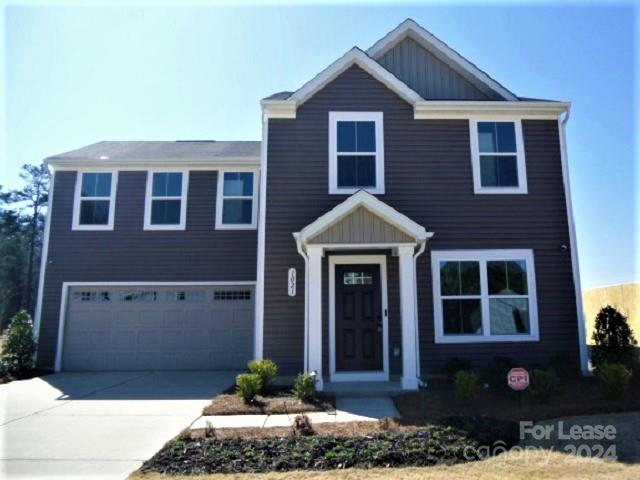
(403, 208)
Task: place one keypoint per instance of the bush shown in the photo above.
(565, 366)
(496, 373)
(19, 347)
(544, 384)
(265, 369)
(615, 378)
(466, 385)
(454, 364)
(248, 385)
(614, 340)
(305, 387)
(302, 425)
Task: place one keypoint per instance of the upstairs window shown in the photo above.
(356, 152)
(236, 205)
(166, 201)
(498, 156)
(94, 201)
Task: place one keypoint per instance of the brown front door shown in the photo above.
(358, 321)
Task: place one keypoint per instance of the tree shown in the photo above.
(614, 340)
(19, 347)
(12, 261)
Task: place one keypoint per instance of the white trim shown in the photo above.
(64, 297)
(463, 109)
(77, 199)
(315, 255)
(148, 199)
(575, 266)
(137, 164)
(220, 199)
(44, 256)
(482, 256)
(377, 118)
(258, 337)
(408, 317)
(348, 376)
(429, 41)
(519, 154)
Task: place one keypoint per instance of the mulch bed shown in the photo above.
(277, 400)
(578, 396)
(32, 374)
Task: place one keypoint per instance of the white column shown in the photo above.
(315, 312)
(408, 317)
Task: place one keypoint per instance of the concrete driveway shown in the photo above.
(97, 425)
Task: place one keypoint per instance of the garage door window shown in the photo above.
(94, 205)
(89, 296)
(138, 296)
(232, 295)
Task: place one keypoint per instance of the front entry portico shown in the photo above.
(357, 306)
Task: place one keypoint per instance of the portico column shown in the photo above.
(315, 312)
(408, 317)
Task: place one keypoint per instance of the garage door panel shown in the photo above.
(158, 328)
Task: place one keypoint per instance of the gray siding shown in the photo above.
(128, 253)
(428, 75)
(428, 177)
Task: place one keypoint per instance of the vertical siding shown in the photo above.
(432, 78)
(128, 253)
(428, 177)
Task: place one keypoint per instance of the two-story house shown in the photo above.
(402, 209)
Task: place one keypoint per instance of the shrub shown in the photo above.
(466, 385)
(19, 347)
(302, 425)
(248, 385)
(265, 369)
(454, 364)
(496, 373)
(543, 385)
(305, 386)
(615, 378)
(614, 340)
(564, 365)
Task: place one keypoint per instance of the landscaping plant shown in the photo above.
(614, 340)
(466, 385)
(305, 387)
(19, 347)
(266, 369)
(302, 425)
(248, 386)
(454, 364)
(615, 378)
(543, 384)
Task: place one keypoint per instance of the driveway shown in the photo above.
(97, 425)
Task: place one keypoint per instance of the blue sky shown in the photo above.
(75, 74)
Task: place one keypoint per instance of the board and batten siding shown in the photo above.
(129, 253)
(428, 177)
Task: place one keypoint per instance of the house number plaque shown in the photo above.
(291, 282)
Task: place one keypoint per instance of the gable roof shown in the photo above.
(409, 28)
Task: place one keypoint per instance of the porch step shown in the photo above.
(363, 389)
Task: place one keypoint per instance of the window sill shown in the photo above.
(94, 228)
(236, 227)
(486, 339)
(351, 191)
(163, 227)
(500, 191)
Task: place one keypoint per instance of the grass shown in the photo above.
(540, 464)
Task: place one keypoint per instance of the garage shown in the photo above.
(152, 327)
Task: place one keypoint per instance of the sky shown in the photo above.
(74, 73)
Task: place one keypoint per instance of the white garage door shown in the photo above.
(158, 328)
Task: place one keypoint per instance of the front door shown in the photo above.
(358, 318)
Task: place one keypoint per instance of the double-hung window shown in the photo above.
(497, 153)
(236, 205)
(95, 200)
(484, 296)
(356, 152)
(166, 200)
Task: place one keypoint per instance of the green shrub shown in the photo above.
(544, 384)
(305, 387)
(248, 385)
(302, 425)
(615, 378)
(19, 347)
(613, 338)
(454, 364)
(466, 385)
(265, 369)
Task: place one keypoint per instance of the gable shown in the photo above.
(361, 226)
(429, 75)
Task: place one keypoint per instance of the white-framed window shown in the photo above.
(94, 200)
(236, 199)
(356, 152)
(484, 296)
(497, 156)
(166, 200)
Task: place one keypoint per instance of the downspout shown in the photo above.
(421, 249)
(582, 340)
(306, 299)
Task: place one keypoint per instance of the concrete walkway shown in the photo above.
(368, 409)
(97, 424)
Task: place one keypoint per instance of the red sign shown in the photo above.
(518, 378)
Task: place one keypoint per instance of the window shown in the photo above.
(356, 152)
(497, 153)
(357, 278)
(236, 206)
(94, 201)
(166, 200)
(484, 296)
(232, 295)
